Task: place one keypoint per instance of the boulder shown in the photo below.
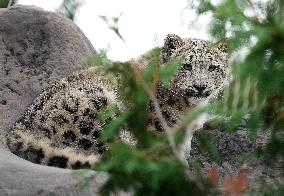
(37, 48)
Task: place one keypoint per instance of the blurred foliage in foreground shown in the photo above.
(153, 166)
(257, 89)
(70, 7)
(256, 93)
(5, 3)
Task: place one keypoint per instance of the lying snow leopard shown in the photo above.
(60, 128)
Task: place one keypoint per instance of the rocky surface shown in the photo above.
(37, 48)
(23, 178)
(236, 151)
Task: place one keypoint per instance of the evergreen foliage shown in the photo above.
(255, 93)
(6, 3)
(70, 7)
(153, 166)
(257, 87)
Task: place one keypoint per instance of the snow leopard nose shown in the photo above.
(200, 88)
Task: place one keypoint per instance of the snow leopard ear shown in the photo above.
(172, 42)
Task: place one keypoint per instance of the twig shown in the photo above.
(10, 3)
(256, 18)
(180, 152)
(168, 130)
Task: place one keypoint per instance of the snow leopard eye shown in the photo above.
(187, 66)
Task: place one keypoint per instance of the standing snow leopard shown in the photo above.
(60, 128)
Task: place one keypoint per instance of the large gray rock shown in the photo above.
(37, 48)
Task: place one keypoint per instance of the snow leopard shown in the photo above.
(61, 128)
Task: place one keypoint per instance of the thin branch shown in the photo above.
(180, 152)
(168, 130)
(256, 18)
(10, 3)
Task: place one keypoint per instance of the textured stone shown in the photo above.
(23, 178)
(236, 150)
(37, 48)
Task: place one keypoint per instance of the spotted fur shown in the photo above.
(61, 128)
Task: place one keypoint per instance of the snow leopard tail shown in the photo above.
(27, 146)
